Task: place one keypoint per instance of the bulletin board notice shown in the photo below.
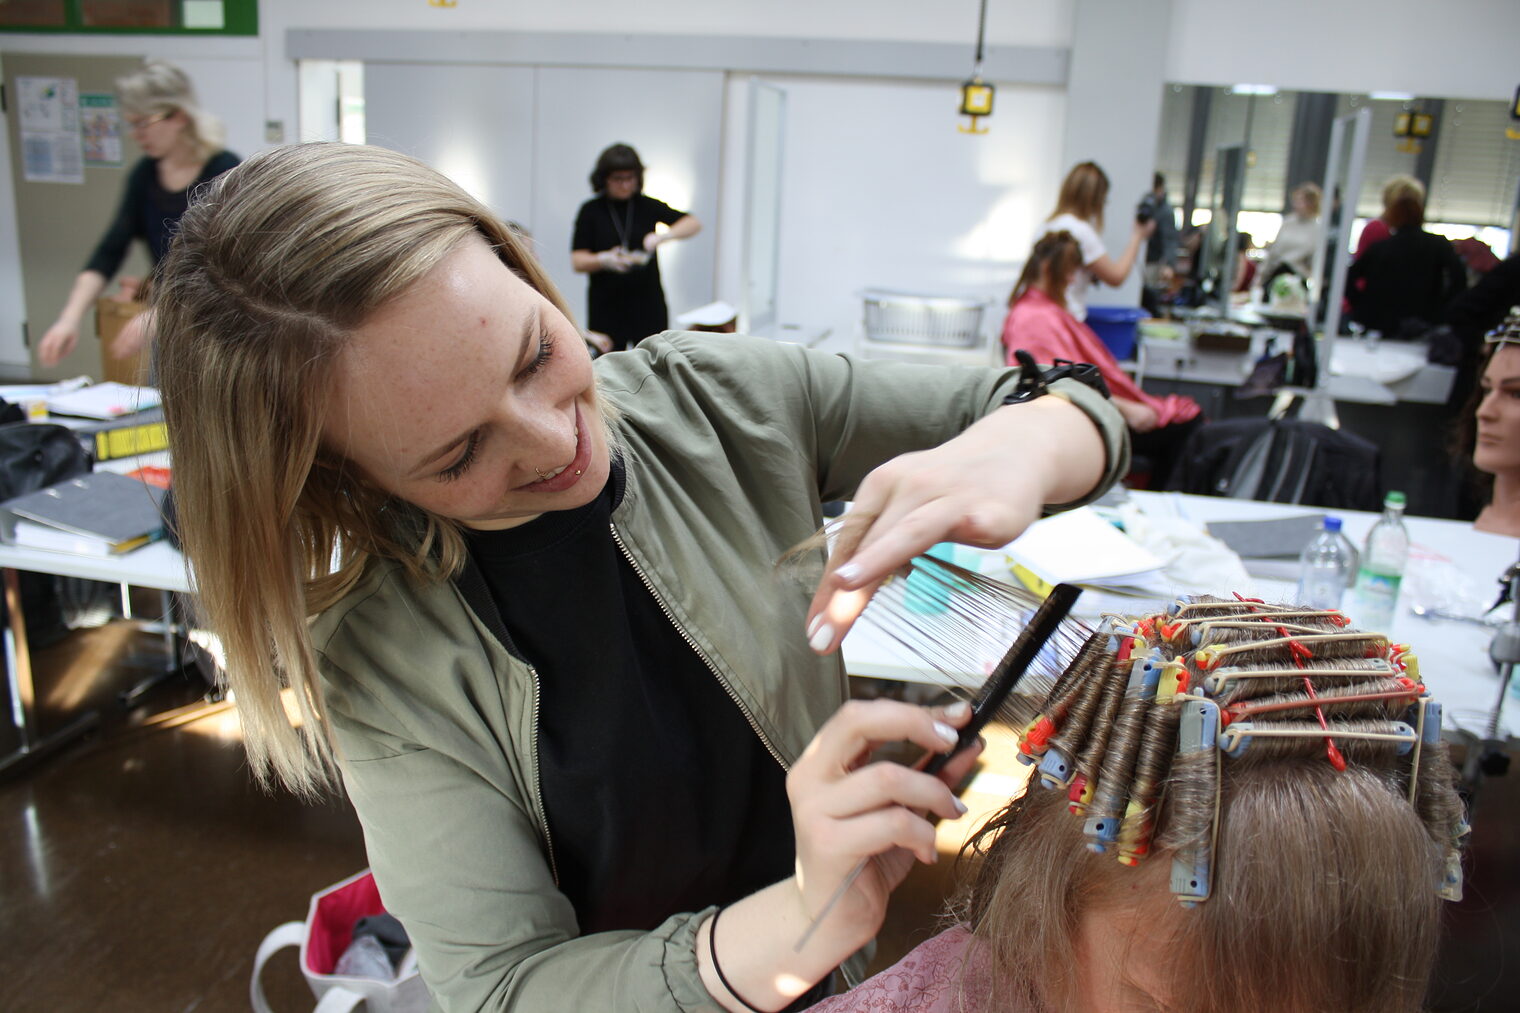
(51, 149)
(100, 125)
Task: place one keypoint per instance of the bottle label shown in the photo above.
(1374, 599)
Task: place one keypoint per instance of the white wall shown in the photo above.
(881, 190)
(1117, 127)
(1450, 49)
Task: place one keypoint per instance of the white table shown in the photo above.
(1453, 655)
(157, 565)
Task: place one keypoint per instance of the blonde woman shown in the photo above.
(1079, 211)
(182, 148)
(1399, 194)
(527, 606)
(1298, 238)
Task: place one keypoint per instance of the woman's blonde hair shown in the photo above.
(1311, 195)
(1083, 193)
(1402, 188)
(275, 264)
(161, 89)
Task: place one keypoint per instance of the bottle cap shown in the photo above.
(1394, 498)
(1332, 523)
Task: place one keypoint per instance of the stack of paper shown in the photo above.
(1079, 547)
(104, 401)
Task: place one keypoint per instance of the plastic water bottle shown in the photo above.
(1377, 583)
(1326, 567)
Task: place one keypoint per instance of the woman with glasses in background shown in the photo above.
(614, 242)
(182, 148)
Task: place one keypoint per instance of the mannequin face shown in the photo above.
(1498, 448)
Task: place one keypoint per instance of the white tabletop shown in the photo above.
(1448, 559)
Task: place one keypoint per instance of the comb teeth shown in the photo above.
(959, 624)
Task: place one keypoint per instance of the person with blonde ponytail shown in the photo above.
(182, 148)
(527, 606)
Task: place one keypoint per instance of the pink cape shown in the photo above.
(1042, 327)
(934, 978)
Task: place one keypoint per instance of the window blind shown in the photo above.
(1477, 167)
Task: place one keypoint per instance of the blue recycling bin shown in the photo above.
(1116, 326)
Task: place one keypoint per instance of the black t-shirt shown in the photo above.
(1407, 281)
(626, 307)
(660, 796)
(149, 211)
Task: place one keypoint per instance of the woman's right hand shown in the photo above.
(847, 809)
(57, 343)
(1144, 229)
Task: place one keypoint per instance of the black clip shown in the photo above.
(1034, 381)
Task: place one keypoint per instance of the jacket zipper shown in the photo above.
(695, 647)
(538, 786)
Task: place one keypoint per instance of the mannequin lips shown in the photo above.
(572, 472)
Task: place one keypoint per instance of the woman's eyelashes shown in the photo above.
(545, 352)
(472, 444)
(462, 465)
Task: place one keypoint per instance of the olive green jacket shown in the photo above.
(731, 444)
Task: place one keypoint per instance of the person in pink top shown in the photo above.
(1240, 840)
(1039, 322)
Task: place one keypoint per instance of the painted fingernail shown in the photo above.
(812, 626)
(849, 573)
(822, 636)
(944, 731)
(960, 806)
(957, 710)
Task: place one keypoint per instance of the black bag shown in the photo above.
(34, 456)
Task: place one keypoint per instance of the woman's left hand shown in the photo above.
(133, 337)
(652, 240)
(982, 488)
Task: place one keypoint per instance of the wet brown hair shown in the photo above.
(1055, 258)
(1326, 883)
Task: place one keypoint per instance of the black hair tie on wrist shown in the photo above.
(712, 949)
(1034, 382)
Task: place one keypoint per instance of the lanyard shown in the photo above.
(624, 230)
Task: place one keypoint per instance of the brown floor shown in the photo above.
(140, 868)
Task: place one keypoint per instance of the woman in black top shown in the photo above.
(615, 241)
(1401, 286)
(181, 147)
